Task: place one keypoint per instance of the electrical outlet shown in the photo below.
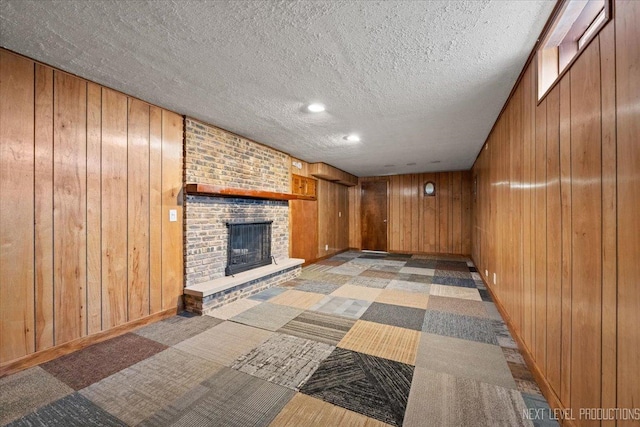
(339, 214)
(494, 278)
(326, 247)
(173, 215)
(486, 273)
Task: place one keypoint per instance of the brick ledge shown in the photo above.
(215, 286)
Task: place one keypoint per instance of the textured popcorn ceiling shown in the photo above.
(420, 82)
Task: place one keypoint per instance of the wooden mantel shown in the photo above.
(216, 190)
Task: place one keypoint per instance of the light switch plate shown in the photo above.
(173, 215)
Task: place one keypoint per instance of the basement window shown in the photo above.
(574, 26)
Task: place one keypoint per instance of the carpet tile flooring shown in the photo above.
(359, 339)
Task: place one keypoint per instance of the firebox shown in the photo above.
(248, 246)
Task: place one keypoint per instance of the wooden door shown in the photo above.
(374, 215)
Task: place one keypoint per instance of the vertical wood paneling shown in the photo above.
(69, 206)
(43, 198)
(94, 208)
(566, 271)
(609, 222)
(628, 196)
(429, 218)
(466, 194)
(16, 209)
(172, 268)
(138, 209)
(554, 242)
(586, 221)
(114, 209)
(155, 209)
(516, 191)
(456, 213)
(527, 235)
(540, 233)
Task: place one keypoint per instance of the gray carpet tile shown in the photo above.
(177, 328)
(314, 286)
(452, 265)
(333, 278)
(369, 282)
(27, 390)
(319, 327)
(70, 411)
(404, 285)
(339, 306)
(524, 379)
(349, 269)
(267, 316)
(369, 385)
(229, 398)
(485, 295)
(454, 273)
(395, 315)
(378, 274)
(267, 294)
(417, 271)
(453, 281)
(284, 359)
(224, 343)
(503, 335)
(421, 263)
(457, 306)
(447, 401)
(542, 416)
(492, 310)
(139, 391)
(460, 326)
(464, 359)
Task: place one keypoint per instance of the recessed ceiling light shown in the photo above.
(315, 108)
(352, 138)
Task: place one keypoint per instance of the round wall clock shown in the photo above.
(429, 188)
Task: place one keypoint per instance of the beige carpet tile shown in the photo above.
(319, 267)
(297, 299)
(388, 275)
(27, 390)
(339, 306)
(305, 410)
(403, 298)
(440, 399)
(458, 306)
(332, 278)
(464, 359)
(139, 391)
(227, 311)
(229, 398)
(267, 316)
(224, 343)
(369, 282)
(356, 292)
(318, 326)
(389, 342)
(418, 271)
(284, 359)
(177, 328)
(455, 292)
(407, 286)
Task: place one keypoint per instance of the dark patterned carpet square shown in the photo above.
(460, 326)
(452, 265)
(369, 385)
(421, 263)
(485, 295)
(395, 315)
(72, 410)
(453, 281)
(92, 364)
(418, 278)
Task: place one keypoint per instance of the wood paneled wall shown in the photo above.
(555, 219)
(88, 176)
(440, 224)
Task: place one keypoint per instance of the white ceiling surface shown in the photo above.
(420, 82)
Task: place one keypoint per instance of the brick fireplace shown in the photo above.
(222, 159)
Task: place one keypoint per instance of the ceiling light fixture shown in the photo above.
(352, 138)
(315, 108)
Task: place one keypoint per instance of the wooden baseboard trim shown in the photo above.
(545, 387)
(80, 343)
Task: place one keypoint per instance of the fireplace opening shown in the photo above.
(248, 246)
